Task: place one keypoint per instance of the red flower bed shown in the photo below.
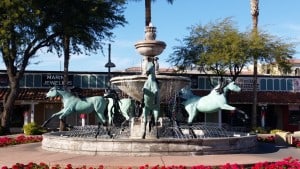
(21, 139)
(283, 164)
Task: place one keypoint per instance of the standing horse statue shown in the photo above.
(151, 98)
(73, 104)
(213, 102)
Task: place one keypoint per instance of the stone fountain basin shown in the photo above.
(132, 85)
(57, 142)
(150, 47)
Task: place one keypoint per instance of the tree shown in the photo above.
(254, 13)
(23, 32)
(63, 26)
(82, 24)
(217, 48)
(148, 10)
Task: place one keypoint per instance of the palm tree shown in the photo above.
(148, 10)
(254, 14)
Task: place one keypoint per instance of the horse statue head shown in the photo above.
(232, 86)
(58, 91)
(186, 93)
(223, 87)
(150, 69)
(53, 92)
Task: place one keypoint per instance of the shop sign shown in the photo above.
(55, 80)
(246, 83)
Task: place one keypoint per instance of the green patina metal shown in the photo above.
(151, 97)
(213, 102)
(98, 104)
(73, 104)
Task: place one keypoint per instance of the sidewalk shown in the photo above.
(33, 152)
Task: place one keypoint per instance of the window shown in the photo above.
(85, 81)
(29, 80)
(207, 84)
(77, 81)
(201, 82)
(290, 85)
(100, 82)
(263, 84)
(276, 84)
(270, 84)
(194, 83)
(93, 81)
(283, 84)
(37, 81)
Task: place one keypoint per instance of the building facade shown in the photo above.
(278, 98)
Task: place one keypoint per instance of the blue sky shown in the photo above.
(277, 17)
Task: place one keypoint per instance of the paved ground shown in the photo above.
(33, 152)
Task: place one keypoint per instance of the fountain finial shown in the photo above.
(150, 32)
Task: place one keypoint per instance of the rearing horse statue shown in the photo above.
(212, 102)
(151, 97)
(74, 104)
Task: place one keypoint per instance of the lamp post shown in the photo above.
(109, 65)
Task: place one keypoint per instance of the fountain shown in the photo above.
(174, 139)
(150, 48)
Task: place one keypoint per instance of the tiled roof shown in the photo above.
(244, 97)
(39, 94)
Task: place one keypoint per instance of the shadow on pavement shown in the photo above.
(264, 148)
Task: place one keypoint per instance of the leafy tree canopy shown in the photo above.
(30, 25)
(87, 23)
(219, 47)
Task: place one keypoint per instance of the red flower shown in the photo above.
(69, 166)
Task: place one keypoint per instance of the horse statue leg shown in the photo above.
(53, 115)
(110, 111)
(192, 111)
(145, 121)
(155, 114)
(127, 108)
(227, 107)
(100, 105)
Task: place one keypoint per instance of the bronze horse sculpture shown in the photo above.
(97, 104)
(213, 102)
(74, 104)
(151, 98)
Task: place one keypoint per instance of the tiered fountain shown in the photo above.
(150, 49)
(173, 139)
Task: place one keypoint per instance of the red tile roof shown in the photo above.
(39, 94)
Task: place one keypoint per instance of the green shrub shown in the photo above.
(33, 129)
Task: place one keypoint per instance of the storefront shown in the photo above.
(278, 98)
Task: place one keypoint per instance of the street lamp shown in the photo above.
(109, 65)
